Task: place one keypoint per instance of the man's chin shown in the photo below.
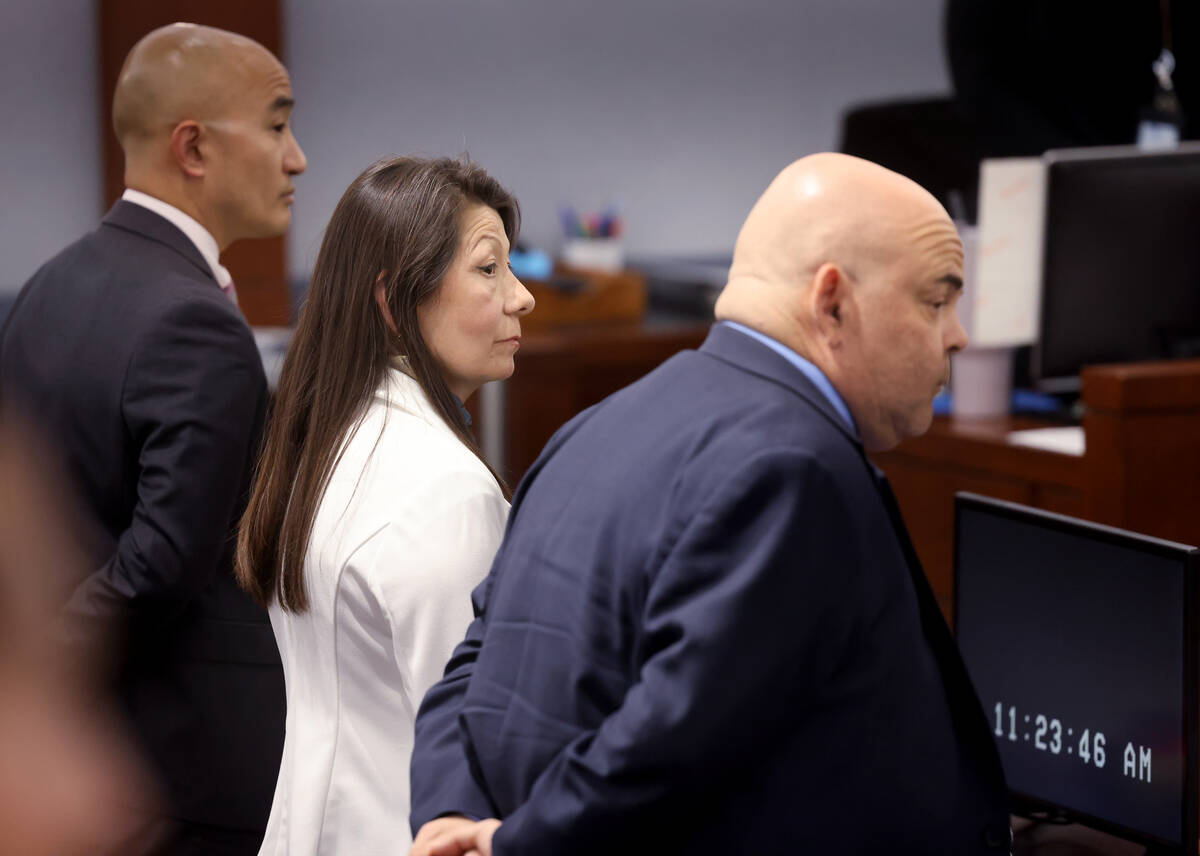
(272, 228)
(282, 222)
(922, 422)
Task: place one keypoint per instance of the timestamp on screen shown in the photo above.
(1047, 734)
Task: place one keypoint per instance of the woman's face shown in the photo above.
(472, 323)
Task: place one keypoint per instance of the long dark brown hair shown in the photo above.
(400, 218)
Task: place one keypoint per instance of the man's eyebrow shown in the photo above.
(283, 102)
(953, 280)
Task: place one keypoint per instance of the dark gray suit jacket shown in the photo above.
(146, 379)
(706, 632)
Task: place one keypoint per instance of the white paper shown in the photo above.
(1008, 265)
(1066, 440)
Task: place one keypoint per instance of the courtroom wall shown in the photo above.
(51, 176)
(678, 110)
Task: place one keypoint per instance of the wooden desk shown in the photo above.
(1140, 469)
(566, 369)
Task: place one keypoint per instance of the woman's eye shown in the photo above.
(489, 269)
(279, 128)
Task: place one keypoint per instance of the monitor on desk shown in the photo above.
(1081, 641)
(1120, 262)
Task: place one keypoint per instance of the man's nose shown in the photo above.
(295, 162)
(957, 338)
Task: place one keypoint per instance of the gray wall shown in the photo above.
(678, 110)
(51, 177)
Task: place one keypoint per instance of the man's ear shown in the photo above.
(828, 296)
(381, 301)
(185, 147)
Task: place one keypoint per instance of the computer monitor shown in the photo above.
(1120, 260)
(1081, 641)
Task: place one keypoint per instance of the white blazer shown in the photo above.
(408, 525)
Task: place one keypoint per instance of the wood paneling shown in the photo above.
(1143, 421)
(258, 267)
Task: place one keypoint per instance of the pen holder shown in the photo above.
(602, 254)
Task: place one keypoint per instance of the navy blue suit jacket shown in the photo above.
(146, 379)
(706, 632)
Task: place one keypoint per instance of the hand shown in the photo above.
(436, 830)
(455, 836)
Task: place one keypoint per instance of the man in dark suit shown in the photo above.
(130, 352)
(706, 630)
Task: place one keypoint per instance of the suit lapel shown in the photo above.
(931, 616)
(142, 221)
(959, 689)
(734, 347)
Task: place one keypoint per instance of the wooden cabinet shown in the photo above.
(1140, 469)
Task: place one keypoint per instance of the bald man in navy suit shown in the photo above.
(706, 630)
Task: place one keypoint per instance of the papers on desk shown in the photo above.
(1067, 440)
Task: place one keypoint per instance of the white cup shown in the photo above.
(981, 382)
(980, 378)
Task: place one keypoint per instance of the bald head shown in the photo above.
(178, 72)
(857, 269)
(204, 119)
(825, 208)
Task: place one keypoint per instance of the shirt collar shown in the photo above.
(810, 370)
(197, 234)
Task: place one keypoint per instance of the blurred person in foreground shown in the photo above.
(67, 772)
(130, 350)
(374, 513)
(706, 630)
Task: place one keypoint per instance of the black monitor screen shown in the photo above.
(1121, 260)
(1080, 641)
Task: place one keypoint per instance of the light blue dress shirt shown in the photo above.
(810, 371)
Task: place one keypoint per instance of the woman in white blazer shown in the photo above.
(373, 513)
